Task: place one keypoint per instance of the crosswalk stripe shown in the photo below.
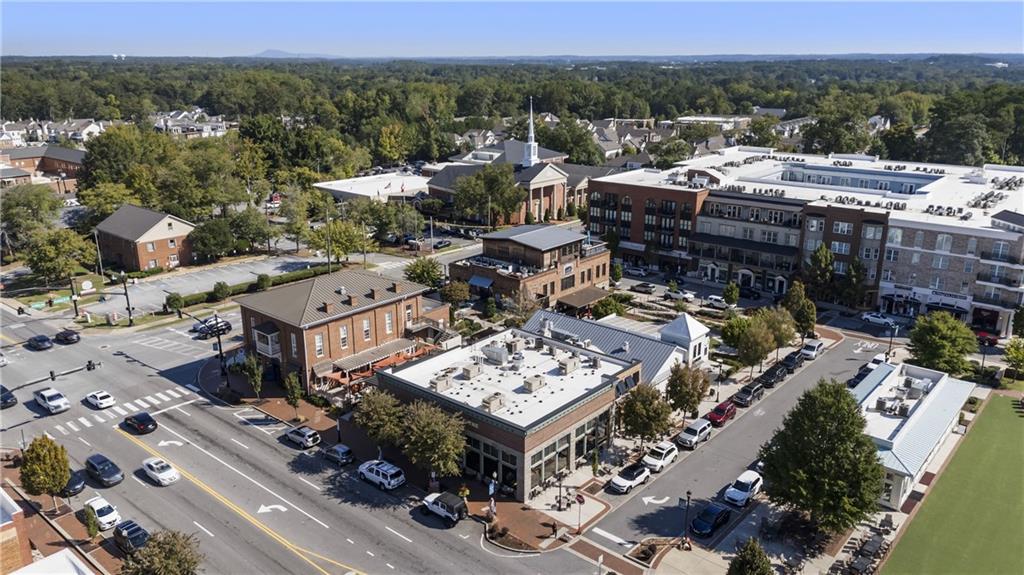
(142, 403)
(71, 426)
(130, 406)
(84, 422)
(61, 429)
(153, 400)
(119, 410)
(98, 418)
(47, 434)
(172, 393)
(162, 396)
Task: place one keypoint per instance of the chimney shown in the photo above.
(374, 293)
(351, 300)
(395, 287)
(328, 307)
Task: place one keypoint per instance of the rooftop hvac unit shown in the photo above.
(495, 354)
(516, 345)
(494, 402)
(568, 365)
(517, 362)
(441, 383)
(903, 410)
(534, 382)
(595, 362)
(471, 371)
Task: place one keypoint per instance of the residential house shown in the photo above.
(135, 238)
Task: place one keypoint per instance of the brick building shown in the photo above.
(332, 327)
(134, 238)
(540, 263)
(15, 549)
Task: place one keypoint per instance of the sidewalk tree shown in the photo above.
(338, 238)
(45, 469)
(751, 560)
(802, 308)
(645, 414)
(166, 553)
(780, 324)
(252, 369)
(821, 462)
(940, 341)
(433, 439)
(1013, 353)
(851, 286)
(820, 272)
(686, 387)
(1018, 322)
(611, 240)
(174, 301)
(616, 273)
(425, 271)
(212, 239)
(731, 293)
(293, 391)
(732, 330)
(755, 343)
(295, 210)
(380, 415)
(251, 225)
(56, 254)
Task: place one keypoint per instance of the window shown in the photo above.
(895, 236)
(732, 211)
(870, 254)
(918, 239)
(172, 258)
(389, 324)
(965, 287)
(150, 247)
(936, 282)
(915, 258)
(792, 239)
(972, 245)
(842, 228)
(769, 237)
(172, 243)
(887, 275)
(318, 344)
(841, 248)
(908, 188)
(774, 216)
(170, 226)
(755, 214)
(892, 255)
(343, 336)
(940, 262)
(748, 233)
(704, 227)
(1000, 249)
(152, 264)
(811, 244)
(815, 225)
(727, 230)
(366, 330)
(968, 266)
(568, 282)
(883, 186)
(943, 243)
(839, 267)
(408, 313)
(872, 232)
(294, 341)
(872, 273)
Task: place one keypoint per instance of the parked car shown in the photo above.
(710, 519)
(793, 361)
(103, 470)
(100, 399)
(161, 472)
(985, 338)
(51, 400)
(812, 348)
(876, 361)
(855, 380)
(39, 342)
(441, 244)
(660, 456)
(105, 512)
(748, 394)
(130, 536)
(75, 484)
(875, 318)
(338, 453)
(680, 295)
(214, 329)
(721, 413)
(305, 436)
(773, 376)
(382, 474)
(208, 322)
(746, 486)
(718, 302)
(697, 431)
(447, 506)
(7, 398)
(749, 293)
(629, 477)
(636, 271)
(141, 423)
(67, 337)
(647, 288)
(3, 360)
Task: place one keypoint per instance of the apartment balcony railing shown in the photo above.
(667, 211)
(1000, 279)
(996, 301)
(267, 348)
(1000, 257)
(592, 249)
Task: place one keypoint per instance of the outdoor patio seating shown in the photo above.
(872, 546)
(862, 565)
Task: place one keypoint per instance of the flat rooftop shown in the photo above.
(506, 366)
(379, 186)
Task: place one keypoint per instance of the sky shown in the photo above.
(471, 29)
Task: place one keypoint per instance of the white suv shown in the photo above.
(718, 302)
(382, 474)
(746, 486)
(51, 400)
(105, 512)
(305, 436)
(660, 456)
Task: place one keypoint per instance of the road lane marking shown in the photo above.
(158, 412)
(298, 551)
(142, 403)
(205, 530)
(162, 396)
(309, 484)
(15, 325)
(119, 410)
(84, 422)
(239, 442)
(61, 429)
(370, 553)
(183, 412)
(615, 538)
(153, 400)
(390, 566)
(71, 426)
(140, 481)
(253, 481)
(130, 406)
(172, 393)
(407, 540)
(84, 441)
(350, 541)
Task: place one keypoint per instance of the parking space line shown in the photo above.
(119, 410)
(83, 441)
(61, 429)
(182, 411)
(161, 396)
(239, 442)
(309, 484)
(84, 422)
(205, 530)
(142, 483)
(71, 426)
(407, 540)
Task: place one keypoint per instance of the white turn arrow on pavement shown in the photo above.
(166, 442)
(655, 500)
(269, 508)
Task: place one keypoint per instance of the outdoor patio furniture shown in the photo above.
(861, 565)
(872, 546)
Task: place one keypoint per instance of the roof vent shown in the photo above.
(495, 354)
(625, 346)
(341, 291)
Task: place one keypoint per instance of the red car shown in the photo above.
(721, 413)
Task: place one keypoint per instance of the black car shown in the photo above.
(773, 376)
(67, 337)
(130, 536)
(7, 398)
(793, 361)
(75, 485)
(441, 244)
(710, 519)
(140, 422)
(749, 293)
(103, 470)
(208, 330)
(855, 380)
(748, 394)
(39, 342)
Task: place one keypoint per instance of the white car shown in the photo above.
(382, 474)
(660, 456)
(875, 318)
(100, 399)
(161, 472)
(718, 302)
(105, 512)
(51, 400)
(746, 486)
(680, 295)
(631, 476)
(635, 271)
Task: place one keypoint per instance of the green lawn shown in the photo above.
(973, 520)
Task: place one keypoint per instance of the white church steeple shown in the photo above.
(530, 157)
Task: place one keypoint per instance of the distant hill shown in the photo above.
(282, 55)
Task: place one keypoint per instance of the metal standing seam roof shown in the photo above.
(652, 354)
(13, 173)
(371, 355)
(537, 236)
(131, 222)
(53, 152)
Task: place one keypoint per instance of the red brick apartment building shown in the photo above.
(135, 239)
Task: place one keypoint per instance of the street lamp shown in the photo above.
(128, 302)
(895, 329)
(686, 517)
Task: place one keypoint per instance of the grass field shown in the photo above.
(973, 520)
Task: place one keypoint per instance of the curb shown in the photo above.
(519, 551)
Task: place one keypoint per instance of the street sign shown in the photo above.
(580, 499)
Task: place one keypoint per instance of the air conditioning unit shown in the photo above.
(534, 382)
(471, 371)
(494, 402)
(568, 365)
(441, 383)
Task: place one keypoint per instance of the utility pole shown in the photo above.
(99, 257)
(328, 233)
(74, 296)
(128, 302)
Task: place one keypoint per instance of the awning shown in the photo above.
(584, 297)
(323, 368)
(480, 282)
(365, 358)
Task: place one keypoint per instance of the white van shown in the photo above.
(812, 348)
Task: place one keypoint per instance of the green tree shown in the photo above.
(963, 140)
(851, 285)
(573, 139)
(670, 152)
(44, 468)
(221, 291)
(104, 199)
(92, 523)
(570, 211)
(840, 124)
(433, 439)
(381, 416)
(166, 553)
(750, 560)
(761, 132)
(731, 293)
(252, 226)
(755, 343)
(212, 240)
(821, 462)
(295, 211)
(293, 391)
(252, 369)
(56, 254)
(492, 187)
(940, 341)
(26, 209)
(1013, 353)
(901, 143)
(490, 308)
(686, 387)
(780, 324)
(803, 310)
(174, 301)
(529, 219)
(611, 239)
(645, 414)
(607, 306)
(733, 329)
(820, 273)
(425, 271)
(616, 273)
(1018, 322)
(263, 282)
(344, 238)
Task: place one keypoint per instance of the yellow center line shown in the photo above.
(241, 512)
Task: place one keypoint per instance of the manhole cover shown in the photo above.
(105, 346)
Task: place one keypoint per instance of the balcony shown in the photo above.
(266, 343)
(1001, 280)
(1000, 257)
(996, 301)
(667, 212)
(592, 249)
